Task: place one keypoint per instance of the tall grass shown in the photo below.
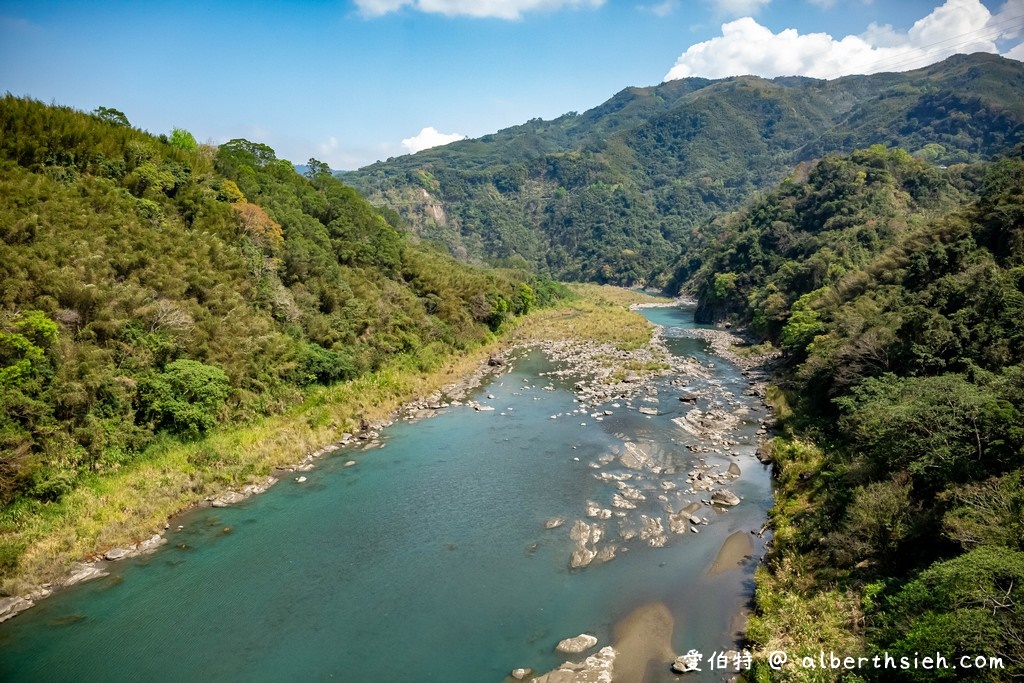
(40, 541)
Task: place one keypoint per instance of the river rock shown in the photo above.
(725, 497)
(605, 554)
(634, 456)
(619, 501)
(12, 606)
(116, 554)
(734, 469)
(652, 531)
(574, 646)
(226, 499)
(596, 668)
(586, 537)
(151, 544)
(677, 522)
(82, 572)
(630, 492)
(554, 522)
(521, 674)
(646, 410)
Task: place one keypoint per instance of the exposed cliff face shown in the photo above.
(621, 193)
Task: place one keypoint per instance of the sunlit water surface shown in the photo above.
(427, 561)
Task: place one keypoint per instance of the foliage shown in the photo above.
(182, 139)
(185, 398)
(152, 288)
(963, 607)
(623, 193)
(909, 370)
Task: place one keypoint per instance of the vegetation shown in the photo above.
(896, 290)
(623, 193)
(154, 292)
(176, 319)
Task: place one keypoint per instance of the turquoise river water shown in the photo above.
(427, 561)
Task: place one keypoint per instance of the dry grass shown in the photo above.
(134, 503)
(600, 314)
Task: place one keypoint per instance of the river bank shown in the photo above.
(642, 648)
(126, 515)
(438, 539)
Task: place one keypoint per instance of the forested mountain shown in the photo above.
(896, 291)
(618, 193)
(151, 286)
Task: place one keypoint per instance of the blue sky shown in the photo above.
(348, 81)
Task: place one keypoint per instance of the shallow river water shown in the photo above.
(429, 560)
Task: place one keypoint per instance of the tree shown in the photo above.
(182, 139)
(317, 169)
(967, 606)
(110, 115)
(186, 397)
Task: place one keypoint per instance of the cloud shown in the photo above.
(738, 8)
(746, 47)
(429, 137)
(499, 9)
(661, 9)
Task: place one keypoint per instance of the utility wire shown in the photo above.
(916, 54)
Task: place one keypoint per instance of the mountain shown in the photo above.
(896, 291)
(153, 288)
(618, 193)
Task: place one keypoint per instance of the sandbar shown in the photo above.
(734, 551)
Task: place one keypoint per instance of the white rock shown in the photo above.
(576, 645)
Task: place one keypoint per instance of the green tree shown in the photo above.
(186, 397)
(110, 115)
(182, 139)
(967, 606)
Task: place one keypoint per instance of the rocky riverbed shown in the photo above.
(658, 493)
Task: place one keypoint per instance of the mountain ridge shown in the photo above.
(655, 163)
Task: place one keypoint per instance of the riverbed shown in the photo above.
(430, 559)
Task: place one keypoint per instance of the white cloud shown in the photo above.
(500, 9)
(746, 47)
(429, 137)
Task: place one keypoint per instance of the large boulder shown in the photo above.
(574, 646)
(725, 497)
(12, 605)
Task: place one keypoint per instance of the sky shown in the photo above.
(350, 82)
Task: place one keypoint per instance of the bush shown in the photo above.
(185, 397)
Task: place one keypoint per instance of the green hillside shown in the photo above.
(896, 292)
(618, 193)
(152, 288)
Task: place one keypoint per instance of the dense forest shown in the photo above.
(617, 194)
(896, 290)
(152, 288)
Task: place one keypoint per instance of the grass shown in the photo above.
(40, 541)
(599, 313)
(798, 611)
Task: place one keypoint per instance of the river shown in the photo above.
(429, 559)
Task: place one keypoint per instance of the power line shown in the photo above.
(913, 55)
